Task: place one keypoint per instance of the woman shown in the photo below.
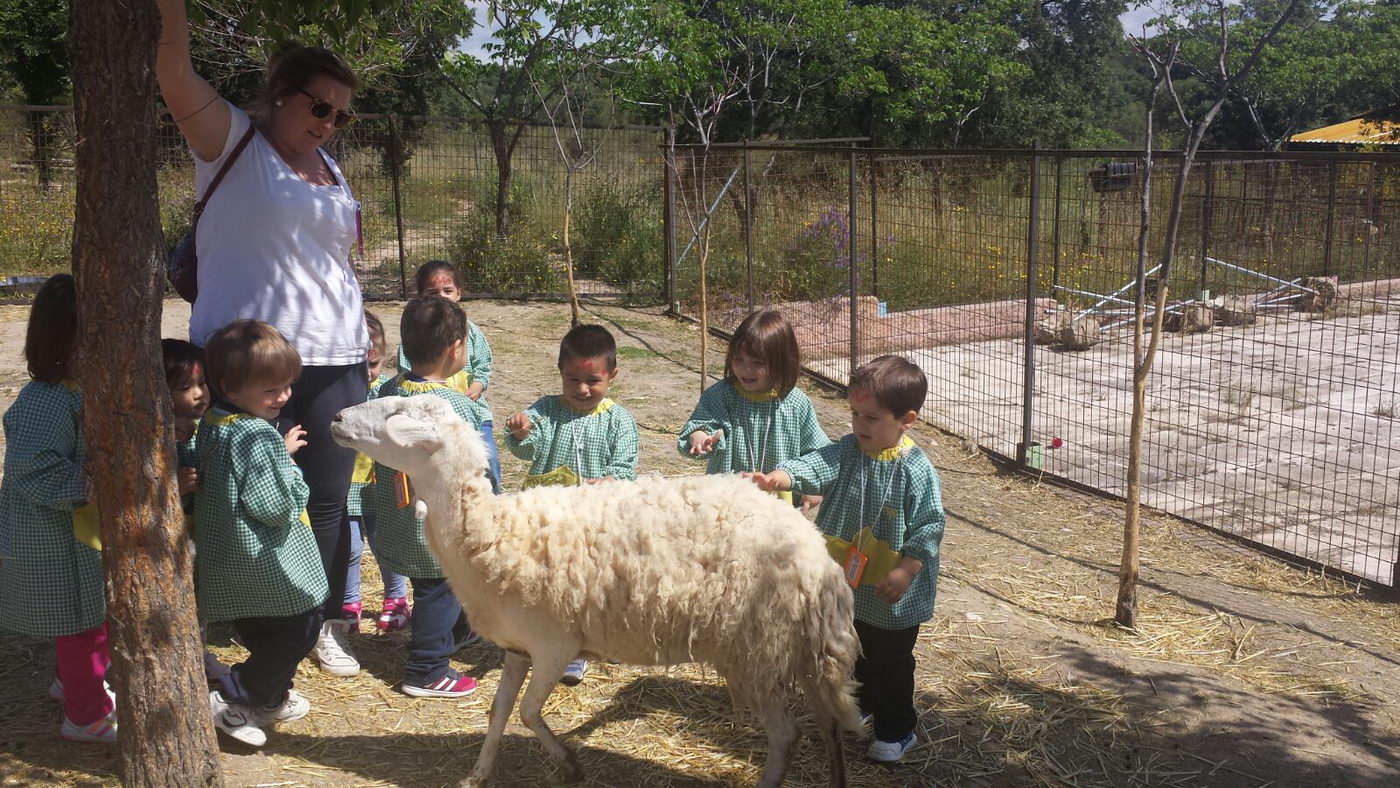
(274, 244)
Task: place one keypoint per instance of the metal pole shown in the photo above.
(1055, 242)
(748, 223)
(874, 232)
(1369, 224)
(1028, 386)
(1331, 212)
(854, 283)
(394, 157)
(1207, 217)
(668, 221)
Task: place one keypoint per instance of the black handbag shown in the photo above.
(182, 264)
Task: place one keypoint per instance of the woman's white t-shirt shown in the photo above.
(275, 248)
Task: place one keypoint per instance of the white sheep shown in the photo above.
(657, 572)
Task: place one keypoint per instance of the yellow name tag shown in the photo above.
(87, 527)
(879, 558)
(563, 476)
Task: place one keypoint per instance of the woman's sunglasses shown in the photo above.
(320, 108)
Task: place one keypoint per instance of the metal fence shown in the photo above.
(1279, 428)
(427, 188)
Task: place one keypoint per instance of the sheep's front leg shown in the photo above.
(512, 676)
(782, 742)
(548, 669)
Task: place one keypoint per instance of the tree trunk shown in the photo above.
(575, 317)
(502, 146)
(39, 140)
(166, 734)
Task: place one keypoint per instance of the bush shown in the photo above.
(517, 264)
(816, 264)
(618, 237)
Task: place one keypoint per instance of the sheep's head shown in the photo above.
(407, 433)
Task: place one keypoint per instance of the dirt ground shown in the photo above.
(1243, 672)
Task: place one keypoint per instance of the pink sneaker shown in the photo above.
(350, 611)
(395, 615)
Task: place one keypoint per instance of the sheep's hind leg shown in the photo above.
(835, 752)
(782, 742)
(548, 669)
(512, 676)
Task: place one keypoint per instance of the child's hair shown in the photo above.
(765, 335)
(429, 326)
(53, 329)
(179, 359)
(588, 341)
(426, 271)
(376, 329)
(248, 351)
(897, 383)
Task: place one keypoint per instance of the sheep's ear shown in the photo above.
(411, 433)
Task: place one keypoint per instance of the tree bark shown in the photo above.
(503, 145)
(166, 734)
(574, 313)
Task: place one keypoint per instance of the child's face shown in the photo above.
(261, 398)
(190, 397)
(751, 372)
(375, 359)
(876, 428)
(442, 284)
(586, 381)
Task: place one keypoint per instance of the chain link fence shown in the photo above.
(1007, 276)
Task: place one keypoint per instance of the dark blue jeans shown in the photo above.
(275, 646)
(430, 641)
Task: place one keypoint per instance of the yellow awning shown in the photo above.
(1365, 130)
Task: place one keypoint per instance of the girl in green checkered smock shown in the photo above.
(52, 582)
(755, 418)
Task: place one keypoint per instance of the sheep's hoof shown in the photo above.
(570, 771)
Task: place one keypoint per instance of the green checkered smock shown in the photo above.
(399, 542)
(478, 369)
(187, 456)
(910, 522)
(363, 474)
(596, 445)
(50, 582)
(255, 555)
(760, 431)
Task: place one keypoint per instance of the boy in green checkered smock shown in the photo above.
(434, 332)
(439, 278)
(256, 560)
(883, 519)
(52, 582)
(755, 418)
(578, 435)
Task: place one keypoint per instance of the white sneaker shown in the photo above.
(235, 721)
(333, 649)
(891, 751)
(573, 674)
(294, 707)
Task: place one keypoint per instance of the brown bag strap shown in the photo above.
(223, 170)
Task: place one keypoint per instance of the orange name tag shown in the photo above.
(854, 566)
(403, 490)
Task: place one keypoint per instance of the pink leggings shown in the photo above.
(82, 666)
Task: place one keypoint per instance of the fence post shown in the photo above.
(1207, 218)
(1028, 384)
(852, 269)
(1331, 212)
(1055, 231)
(874, 231)
(748, 226)
(668, 221)
(395, 160)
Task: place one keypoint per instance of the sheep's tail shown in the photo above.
(831, 689)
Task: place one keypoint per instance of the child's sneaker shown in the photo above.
(892, 751)
(333, 649)
(350, 613)
(101, 731)
(394, 616)
(452, 685)
(573, 674)
(235, 721)
(294, 707)
(56, 691)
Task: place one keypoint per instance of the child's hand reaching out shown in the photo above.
(295, 439)
(773, 481)
(702, 442)
(519, 425)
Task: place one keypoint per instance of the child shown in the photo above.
(439, 278)
(883, 519)
(183, 363)
(578, 435)
(52, 583)
(755, 418)
(434, 332)
(256, 561)
(394, 613)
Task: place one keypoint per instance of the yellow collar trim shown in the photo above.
(602, 407)
(71, 385)
(765, 396)
(418, 387)
(893, 452)
(222, 419)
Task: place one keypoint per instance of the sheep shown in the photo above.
(655, 572)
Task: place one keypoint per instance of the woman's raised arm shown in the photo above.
(203, 117)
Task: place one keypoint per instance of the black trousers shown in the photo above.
(886, 675)
(275, 646)
(319, 394)
(430, 639)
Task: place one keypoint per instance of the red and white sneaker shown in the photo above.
(395, 615)
(101, 731)
(452, 685)
(350, 612)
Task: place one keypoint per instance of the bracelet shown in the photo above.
(201, 109)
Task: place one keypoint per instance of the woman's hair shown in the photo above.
(376, 329)
(293, 65)
(429, 326)
(765, 335)
(427, 270)
(53, 329)
(180, 358)
(249, 351)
